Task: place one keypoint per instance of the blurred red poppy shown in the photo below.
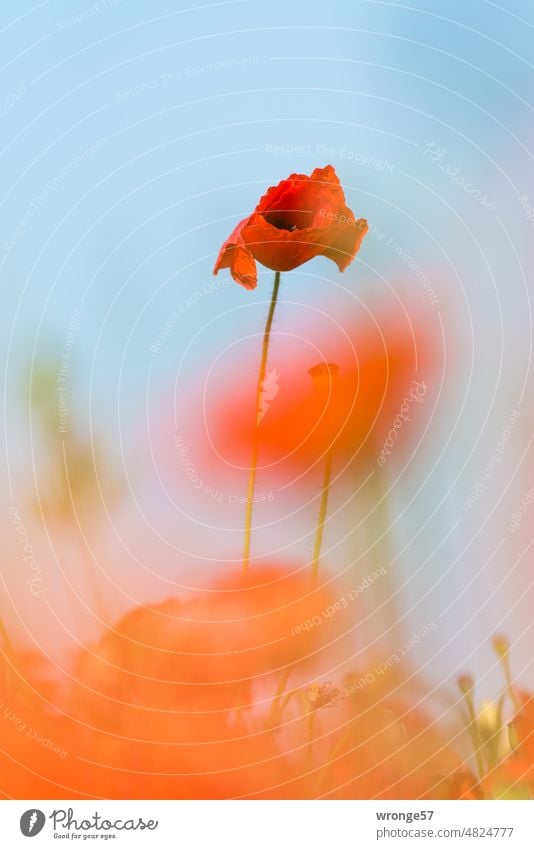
(300, 218)
(358, 405)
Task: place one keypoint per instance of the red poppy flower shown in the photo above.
(300, 218)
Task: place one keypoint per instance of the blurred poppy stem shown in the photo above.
(3, 634)
(274, 713)
(255, 438)
(324, 378)
(466, 685)
(501, 647)
(379, 527)
(309, 715)
(322, 517)
(8, 652)
(335, 754)
(99, 606)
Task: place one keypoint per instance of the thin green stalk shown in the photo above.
(100, 607)
(502, 649)
(255, 438)
(309, 715)
(5, 639)
(466, 687)
(334, 753)
(322, 517)
(494, 739)
(379, 547)
(274, 712)
(9, 655)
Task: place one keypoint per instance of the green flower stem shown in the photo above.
(255, 440)
(275, 711)
(335, 753)
(6, 649)
(309, 714)
(474, 732)
(505, 661)
(322, 517)
(384, 590)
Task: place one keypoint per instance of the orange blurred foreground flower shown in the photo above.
(210, 649)
(300, 218)
(174, 699)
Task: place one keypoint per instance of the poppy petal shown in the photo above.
(347, 241)
(235, 255)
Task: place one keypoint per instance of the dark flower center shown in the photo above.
(287, 219)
